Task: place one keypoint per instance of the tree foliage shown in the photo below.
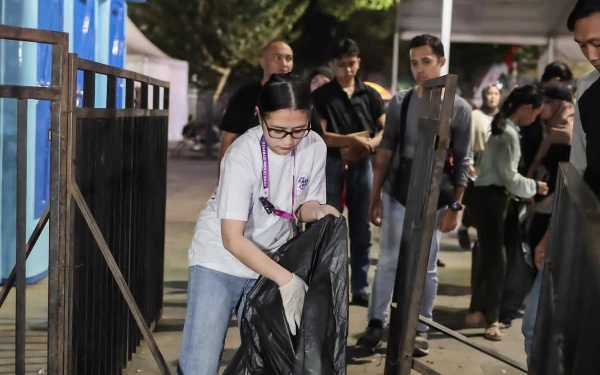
(216, 35)
(343, 9)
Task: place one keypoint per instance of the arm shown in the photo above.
(336, 140)
(506, 165)
(376, 140)
(235, 194)
(462, 149)
(232, 232)
(314, 207)
(377, 112)
(540, 250)
(227, 139)
(390, 137)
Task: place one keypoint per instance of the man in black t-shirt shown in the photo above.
(348, 107)
(277, 58)
(240, 115)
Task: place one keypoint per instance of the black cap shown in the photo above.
(559, 91)
(582, 9)
(323, 70)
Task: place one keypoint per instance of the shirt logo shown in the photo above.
(302, 182)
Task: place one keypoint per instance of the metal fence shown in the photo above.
(567, 332)
(435, 115)
(106, 212)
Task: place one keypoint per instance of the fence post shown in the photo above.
(419, 219)
(59, 279)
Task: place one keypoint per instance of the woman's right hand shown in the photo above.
(542, 188)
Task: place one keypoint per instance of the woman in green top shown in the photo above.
(498, 179)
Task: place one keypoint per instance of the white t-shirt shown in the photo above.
(237, 198)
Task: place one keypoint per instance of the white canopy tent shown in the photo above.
(518, 22)
(145, 58)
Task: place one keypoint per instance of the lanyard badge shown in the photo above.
(264, 200)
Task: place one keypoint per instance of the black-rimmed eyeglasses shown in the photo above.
(281, 134)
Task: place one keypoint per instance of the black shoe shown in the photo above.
(360, 300)
(463, 239)
(441, 264)
(421, 345)
(372, 338)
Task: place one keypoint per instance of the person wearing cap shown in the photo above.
(584, 22)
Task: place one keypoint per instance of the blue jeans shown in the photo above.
(212, 298)
(529, 318)
(390, 236)
(358, 179)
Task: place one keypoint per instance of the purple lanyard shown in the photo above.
(265, 181)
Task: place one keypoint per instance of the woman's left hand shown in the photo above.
(324, 210)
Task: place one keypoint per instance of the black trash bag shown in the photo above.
(520, 272)
(320, 258)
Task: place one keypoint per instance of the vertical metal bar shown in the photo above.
(89, 89)
(418, 229)
(129, 93)
(155, 97)
(166, 98)
(21, 233)
(59, 322)
(144, 96)
(69, 222)
(111, 92)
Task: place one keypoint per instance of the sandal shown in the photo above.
(492, 332)
(475, 320)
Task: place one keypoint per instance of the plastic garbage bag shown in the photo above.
(320, 258)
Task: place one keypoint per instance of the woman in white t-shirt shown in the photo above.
(271, 177)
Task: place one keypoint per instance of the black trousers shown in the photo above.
(489, 207)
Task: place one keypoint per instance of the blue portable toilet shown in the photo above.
(96, 32)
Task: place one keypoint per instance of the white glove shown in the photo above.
(292, 296)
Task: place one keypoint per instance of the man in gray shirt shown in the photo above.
(427, 59)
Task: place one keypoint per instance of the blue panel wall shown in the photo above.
(84, 37)
(18, 65)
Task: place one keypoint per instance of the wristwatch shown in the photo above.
(456, 206)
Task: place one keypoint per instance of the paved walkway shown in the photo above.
(190, 183)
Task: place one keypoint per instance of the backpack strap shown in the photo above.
(403, 116)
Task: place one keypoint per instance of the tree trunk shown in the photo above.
(224, 76)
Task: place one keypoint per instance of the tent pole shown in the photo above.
(446, 31)
(396, 50)
(551, 45)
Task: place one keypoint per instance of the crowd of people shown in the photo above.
(296, 149)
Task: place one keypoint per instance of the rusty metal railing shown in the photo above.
(106, 214)
(435, 115)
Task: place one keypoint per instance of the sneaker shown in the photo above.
(360, 300)
(372, 338)
(440, 263)
(464, 240)
(421, 348)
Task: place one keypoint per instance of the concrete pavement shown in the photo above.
(191, 182)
